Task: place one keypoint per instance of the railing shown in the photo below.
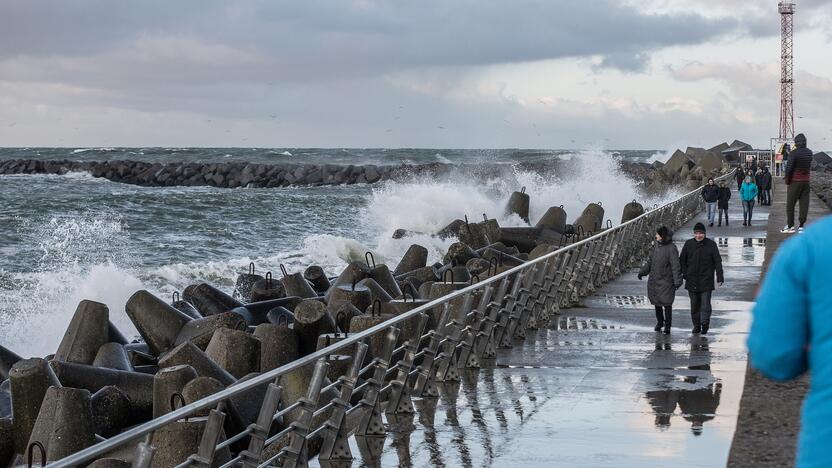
(471, 323)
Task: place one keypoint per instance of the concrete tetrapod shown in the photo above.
(518, 203)
(185, 307)
(267, 289)
(138, 386)
(29, 379)
(157, 322)
(416, 257)
(64, 423)
(168, 382)
(296, 285)
(112, 411)
(358, 295)
(8, 358)
(278, 345)
(312, 320)
(377, 292)
(352, 274)
(198, 389)
(200, 331)
(554, 218)
(381, 274)
(235, 351)
(256, 313)
(209, 300)
(175, 442)
(242, 288)
(459, 254)
(317, 278)
(188, 353)
(5, 400)
(114, 335)
(6, 441)
(631, 210)
(343, 314)
(87, 331)
(112, 356)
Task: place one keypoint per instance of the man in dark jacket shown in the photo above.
(740, 176)
(758, 179)
(700, 259)
(710, 193)
(766, 186)
(797, 178)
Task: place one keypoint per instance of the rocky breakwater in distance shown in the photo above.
(251, 175)
(821, 181)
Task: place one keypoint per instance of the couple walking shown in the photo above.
(696, 266)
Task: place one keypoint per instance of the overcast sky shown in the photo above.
(619, 74)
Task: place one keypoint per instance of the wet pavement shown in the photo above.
(599, 387)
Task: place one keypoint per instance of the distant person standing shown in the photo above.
(710, 193)
(767, 180)
(748, 192)
(791, 333)
(740, 176)
(758, 179)
(665, 277)
(722, 204)
(700, 260)
(797, 178)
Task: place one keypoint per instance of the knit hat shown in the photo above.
(663, 232)
(699, 228)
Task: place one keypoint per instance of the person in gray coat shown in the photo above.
(665, 277)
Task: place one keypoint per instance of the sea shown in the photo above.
(73, 237)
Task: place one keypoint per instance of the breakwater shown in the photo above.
(253, 175)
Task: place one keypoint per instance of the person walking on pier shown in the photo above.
(791, 333)
(722, 204)
(797, 177)
(748, 192)
(700, 260)
(710, 193)
(766, 187)
(665, 277)
(740, 176)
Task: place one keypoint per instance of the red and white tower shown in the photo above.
(787, 8)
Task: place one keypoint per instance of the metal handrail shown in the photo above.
(211, 401)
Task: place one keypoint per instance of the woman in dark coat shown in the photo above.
(665, 273)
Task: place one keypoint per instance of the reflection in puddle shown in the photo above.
(696, 395)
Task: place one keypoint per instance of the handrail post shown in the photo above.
(399, 401)
(371, 423)
(425, 385)
(260, 428)
(204, 456)
(336, 434)
(296, 455)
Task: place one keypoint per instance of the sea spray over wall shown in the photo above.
(80, 256)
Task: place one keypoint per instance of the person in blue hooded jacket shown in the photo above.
(791, 333)
(748, 193)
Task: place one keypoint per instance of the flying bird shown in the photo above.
(388, 130)
(440, 127)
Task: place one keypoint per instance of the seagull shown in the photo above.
(401, 107)
(541, 101)
(388, 130)
(273, 116)
(440, 127)
(506, 121)
(12, 124)
(228, 131)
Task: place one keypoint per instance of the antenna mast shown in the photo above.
(787, 8)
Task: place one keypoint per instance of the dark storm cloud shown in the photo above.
(323, 40)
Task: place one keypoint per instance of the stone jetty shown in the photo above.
(252, 175)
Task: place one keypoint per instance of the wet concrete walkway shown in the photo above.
(599, 387)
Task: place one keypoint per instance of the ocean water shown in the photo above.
(73, 237)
